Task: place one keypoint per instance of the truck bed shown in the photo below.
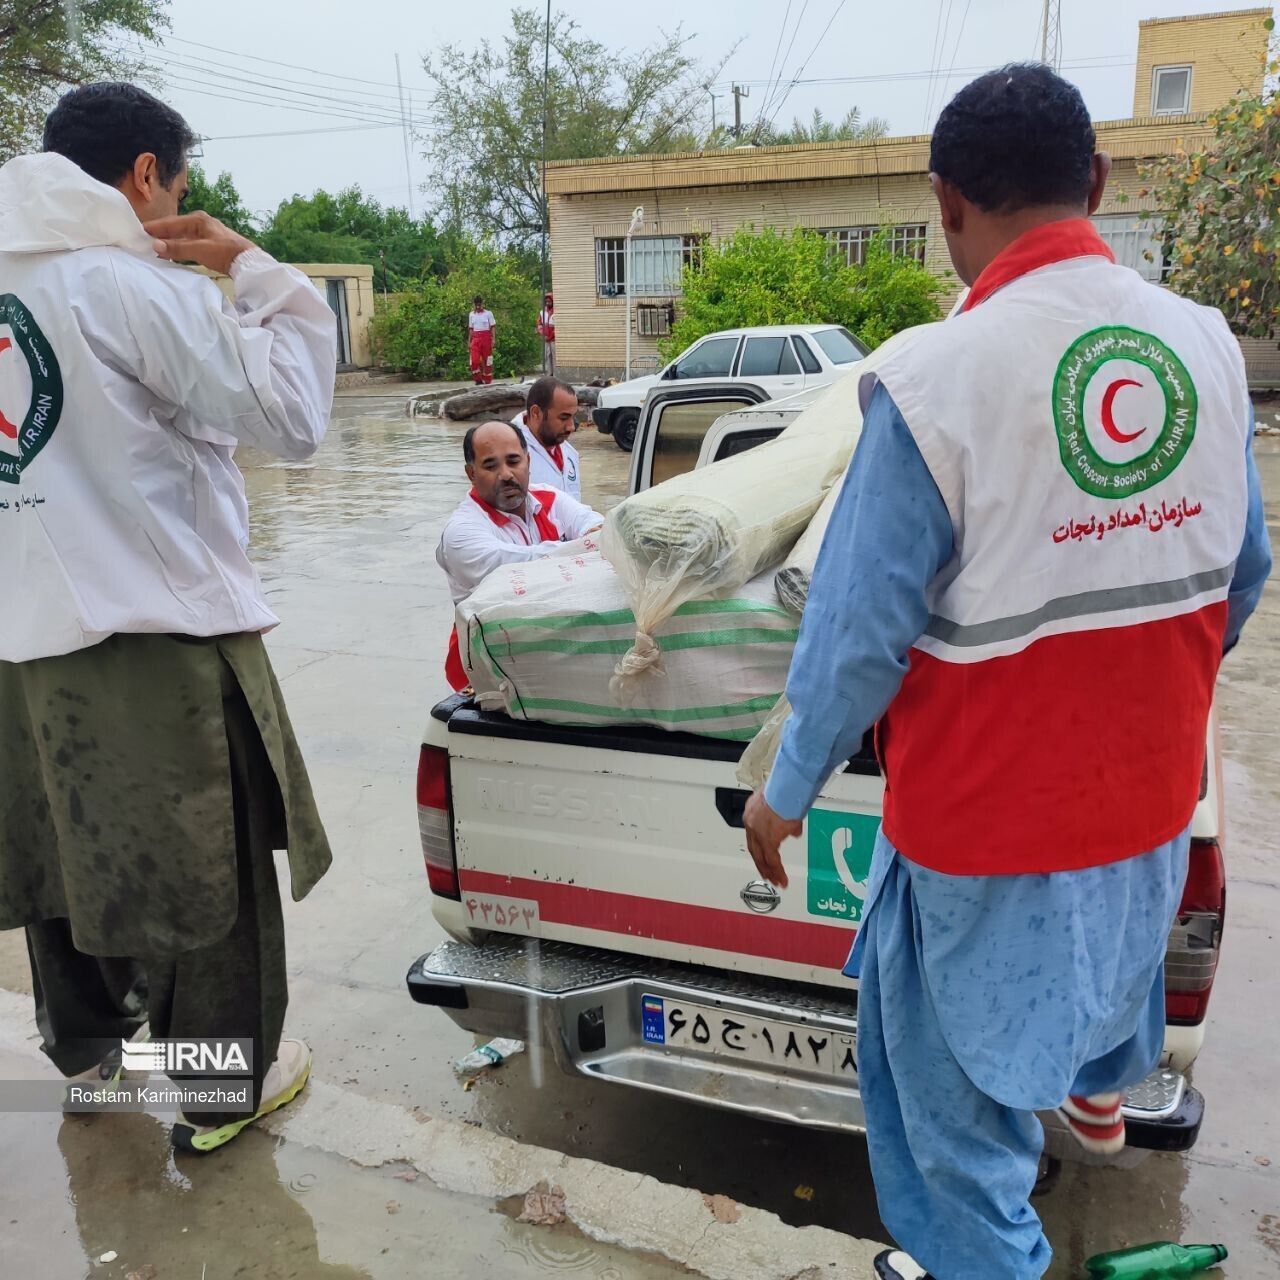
(631, 839)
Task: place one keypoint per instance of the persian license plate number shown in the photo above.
(722, 1033)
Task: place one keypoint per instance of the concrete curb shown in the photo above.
(610, 1205)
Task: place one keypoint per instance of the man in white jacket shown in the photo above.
(505, 519)
(549, 419)
(149, 764)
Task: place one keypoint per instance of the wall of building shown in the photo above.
(1222, 49)
(590, 333)
(357, 283)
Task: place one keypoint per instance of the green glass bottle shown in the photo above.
(1160, 1261)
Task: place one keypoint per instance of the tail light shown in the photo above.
(435, 822)
(1192, 957)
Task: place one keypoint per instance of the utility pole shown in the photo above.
(713, 96)
(404, 129)
(1051, 34)
(546, 207)
(738, 94)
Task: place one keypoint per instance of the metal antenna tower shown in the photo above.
(1051, 35)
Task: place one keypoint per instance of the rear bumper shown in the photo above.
(603, 418)
(584, 1005)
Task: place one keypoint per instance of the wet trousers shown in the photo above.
(981, 1001)
(482, 356)
(233, 987)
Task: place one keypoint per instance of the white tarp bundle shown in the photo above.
(713, 529)
(540, 641)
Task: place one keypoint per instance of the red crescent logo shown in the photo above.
(6, 427)
(1108, 422)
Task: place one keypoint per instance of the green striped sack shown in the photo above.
(541, 640)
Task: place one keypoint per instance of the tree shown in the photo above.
(796, 277)
(853, 128)
(353, 227)
(1220, 213)
(425, 332)
(220, 198)
(487, 144)
(47, 45)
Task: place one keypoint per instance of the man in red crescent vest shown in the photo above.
(503, 520)
(1049, 534)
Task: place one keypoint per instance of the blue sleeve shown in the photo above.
(1253, 566)
(890, 534)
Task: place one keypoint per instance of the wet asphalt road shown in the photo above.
(346, 548)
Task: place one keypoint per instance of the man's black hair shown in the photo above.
(469, 440)
(477, 300)
(543, 392)
(1014, 139)
(105, 127)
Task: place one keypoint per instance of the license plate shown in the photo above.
(720, 1033)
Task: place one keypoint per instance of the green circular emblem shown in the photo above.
(25, 427)
(1124, 408)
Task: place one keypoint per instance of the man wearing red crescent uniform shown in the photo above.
(1050, 533)
(502, 520)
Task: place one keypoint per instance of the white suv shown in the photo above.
(780, 360)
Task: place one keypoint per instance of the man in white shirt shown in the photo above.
(149, 765)
(549, 419)
(482, 326)
(503, 520)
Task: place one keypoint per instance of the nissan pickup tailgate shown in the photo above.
(632, 841)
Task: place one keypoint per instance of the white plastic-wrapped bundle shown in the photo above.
(541, 640)
(713, 529)
(792, 579)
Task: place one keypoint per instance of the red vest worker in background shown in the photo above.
(481, 326)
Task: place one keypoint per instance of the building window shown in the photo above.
(1137, 243)
(1171, 91)
(656, 263)
(653, 319)
(908, 239)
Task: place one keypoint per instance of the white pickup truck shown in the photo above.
(597, 891)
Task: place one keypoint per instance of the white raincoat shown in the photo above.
(125, 384)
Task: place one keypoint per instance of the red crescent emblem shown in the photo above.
(1108, 422)
(6, 427)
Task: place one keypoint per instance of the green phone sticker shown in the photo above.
(840, 846)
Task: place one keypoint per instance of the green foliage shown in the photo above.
(487, 144)
(853, 128)
(48, 45)
(1220, 209)
(425, 332)
(795, 277)
(220, 199)
(353, 227)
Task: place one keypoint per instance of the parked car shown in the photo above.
(595, 883)
(779, 359)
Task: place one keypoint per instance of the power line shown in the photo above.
(264, 100)
(936, 78)
(955, 49)
(781, 35)
(210, 66)
(808, 56)
(293, 66)
(782, 66)
(1100, 62)
(298, 133)
(933, 55)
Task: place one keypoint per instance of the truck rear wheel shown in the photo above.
(624, 428)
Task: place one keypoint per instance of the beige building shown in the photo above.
(348, 289)
(849, 192)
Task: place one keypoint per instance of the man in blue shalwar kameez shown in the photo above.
(1050, 533)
